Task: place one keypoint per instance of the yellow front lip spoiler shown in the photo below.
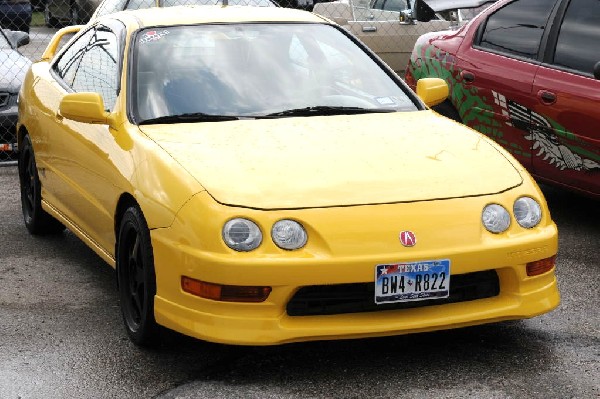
(236, 328)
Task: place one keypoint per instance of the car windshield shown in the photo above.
(111, 6)
(256, 70)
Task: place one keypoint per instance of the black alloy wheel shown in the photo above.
(136, 278)
(37, 221)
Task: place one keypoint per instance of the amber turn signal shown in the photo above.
(226, 293)
(541, 266)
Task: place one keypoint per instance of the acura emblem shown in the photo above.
(408, 238)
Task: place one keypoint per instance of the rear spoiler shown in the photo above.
(424, 10)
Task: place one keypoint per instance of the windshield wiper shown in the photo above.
(187, 118)
(324, 110)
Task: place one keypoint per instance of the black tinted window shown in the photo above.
(518, 27)
(578, 45)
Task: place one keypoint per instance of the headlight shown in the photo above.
(288, 234)
(527, 212)
(242, 234)
(495, 218)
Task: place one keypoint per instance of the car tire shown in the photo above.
(136, 278)
(448, 110)
(37, 220)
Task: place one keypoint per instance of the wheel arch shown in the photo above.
(20, 135)
(126, 200)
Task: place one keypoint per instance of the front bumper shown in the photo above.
(234, 325)
(349, 244)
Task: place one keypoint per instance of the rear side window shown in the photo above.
(517, 28)
(578, 45)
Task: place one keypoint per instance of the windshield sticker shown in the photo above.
(153, 36)
(385, 101)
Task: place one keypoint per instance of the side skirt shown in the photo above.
(83, 236)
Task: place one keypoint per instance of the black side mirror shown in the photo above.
(422, 12)
(597, 70)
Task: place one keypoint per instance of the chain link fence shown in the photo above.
(381, 24)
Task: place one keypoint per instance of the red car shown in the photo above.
(527, 74)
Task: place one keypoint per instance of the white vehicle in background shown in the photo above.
(391, 27)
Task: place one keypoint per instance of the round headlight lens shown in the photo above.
(527, 212)
(288, 234)
(495, 218)
(242, 234)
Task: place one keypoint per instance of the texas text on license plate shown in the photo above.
(413, 281)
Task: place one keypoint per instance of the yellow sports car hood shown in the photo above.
(337, 160)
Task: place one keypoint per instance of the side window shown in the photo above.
(98, 70)
(517, 28)
(68, 62)
(91, 64)
(578, 45)
(395, 5)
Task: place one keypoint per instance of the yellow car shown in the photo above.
(257, 176)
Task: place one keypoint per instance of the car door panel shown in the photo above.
(566, 133)
(89, 181)
(499, 111)
(566, 137)
(46, 94)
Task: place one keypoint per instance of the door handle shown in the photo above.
(467, 76)
(547, 97)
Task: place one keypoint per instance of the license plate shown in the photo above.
(413, 281)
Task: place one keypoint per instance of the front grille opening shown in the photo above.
(360, 297)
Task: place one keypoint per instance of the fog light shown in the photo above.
(541, 266)
(225, 293)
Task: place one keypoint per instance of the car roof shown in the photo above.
(194, 14)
